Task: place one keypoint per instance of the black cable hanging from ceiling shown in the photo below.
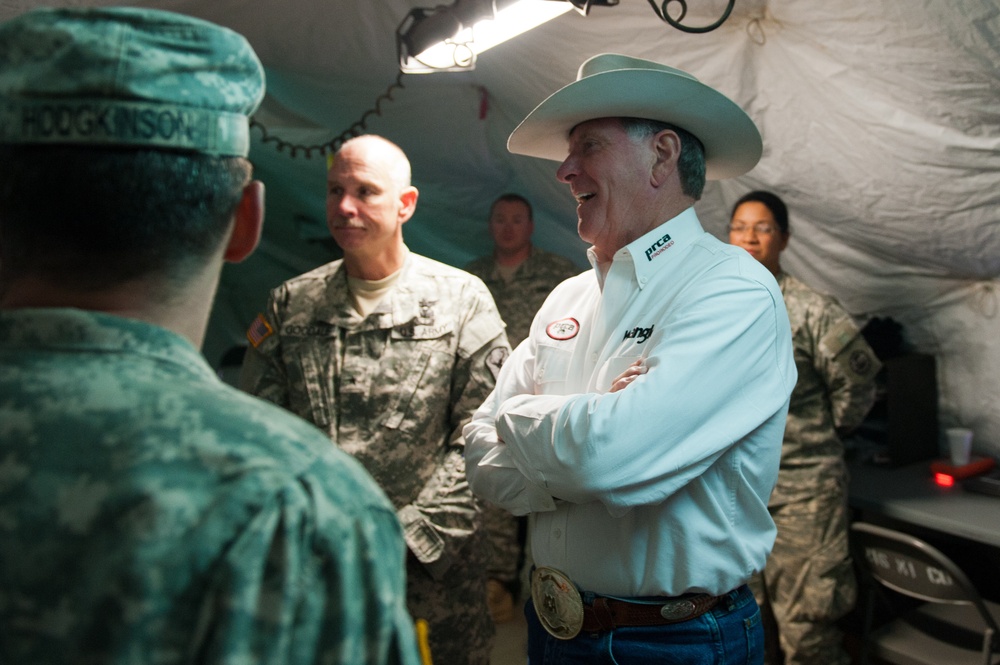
(357, 129)
(664, 15)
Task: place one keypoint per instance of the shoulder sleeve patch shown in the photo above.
(495, 360)
(259, 330)
(848, 348)
(863, 362)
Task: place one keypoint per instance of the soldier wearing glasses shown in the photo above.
(809, 581)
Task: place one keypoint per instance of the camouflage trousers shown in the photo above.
(506, 545)
(809, 578)
(459, 628)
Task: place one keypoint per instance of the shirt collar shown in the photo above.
(652, 251)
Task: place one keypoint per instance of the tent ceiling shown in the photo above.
(881, 125)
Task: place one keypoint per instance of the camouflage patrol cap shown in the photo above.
(127, 76)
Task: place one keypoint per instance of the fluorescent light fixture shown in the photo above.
(458, 51)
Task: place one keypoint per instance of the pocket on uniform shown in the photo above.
(419, 390)
(832, 590)
(316, 383)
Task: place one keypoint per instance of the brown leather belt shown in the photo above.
(609, 613)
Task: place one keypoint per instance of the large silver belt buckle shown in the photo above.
(677, 610)
(557, 603)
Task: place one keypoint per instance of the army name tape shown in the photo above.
(132, 123)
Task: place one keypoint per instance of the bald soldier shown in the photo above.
(390, 353)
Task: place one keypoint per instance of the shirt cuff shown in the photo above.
(424, 541)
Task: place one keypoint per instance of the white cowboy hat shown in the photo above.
(612, 85)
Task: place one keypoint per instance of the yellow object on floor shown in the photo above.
(422, 643)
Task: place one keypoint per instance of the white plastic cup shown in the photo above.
(959, 445)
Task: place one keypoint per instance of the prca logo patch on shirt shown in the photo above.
(563, 329)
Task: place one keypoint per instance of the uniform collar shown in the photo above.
(85, 331)
(524, 268)
(782, 280)
(402, 305)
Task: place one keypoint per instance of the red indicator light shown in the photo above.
(944, 480)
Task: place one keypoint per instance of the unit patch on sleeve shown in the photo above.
(495, 360)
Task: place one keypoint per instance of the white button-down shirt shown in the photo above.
(660, 488)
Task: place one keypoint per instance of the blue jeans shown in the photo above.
(729, 634)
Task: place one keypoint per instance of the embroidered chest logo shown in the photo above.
(658, 247)
(639, 334)
(563, 329)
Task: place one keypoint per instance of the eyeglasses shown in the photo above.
(761, 228)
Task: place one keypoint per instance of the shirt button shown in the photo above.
(557, 533)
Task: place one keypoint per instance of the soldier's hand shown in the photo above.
(499, 601)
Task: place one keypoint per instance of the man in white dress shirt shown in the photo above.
(640, 424)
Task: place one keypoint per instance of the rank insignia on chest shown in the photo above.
(426, 313)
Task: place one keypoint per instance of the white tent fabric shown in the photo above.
(881, 126)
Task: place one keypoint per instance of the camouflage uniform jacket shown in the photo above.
(834, 392)
(520, 298)
(394, 389)
(150, 513)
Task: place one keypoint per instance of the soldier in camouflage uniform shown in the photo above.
(148, 512)
(520, 276)
(390, 353)
(809, 578)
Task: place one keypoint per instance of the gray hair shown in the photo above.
(690, 163)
